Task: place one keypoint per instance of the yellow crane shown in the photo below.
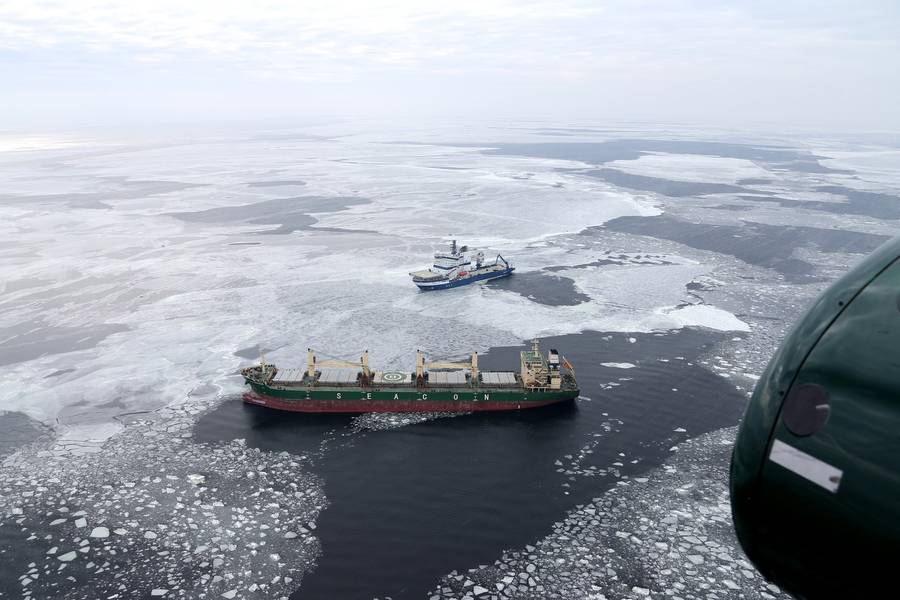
(312, 363)
(421, 365)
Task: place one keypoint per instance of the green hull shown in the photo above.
(403, 399)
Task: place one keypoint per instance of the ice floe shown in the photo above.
(699, 315)
(692, 167)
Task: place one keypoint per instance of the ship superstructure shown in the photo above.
(347, 386)
(456, 268)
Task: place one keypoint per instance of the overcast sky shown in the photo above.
(820, 64)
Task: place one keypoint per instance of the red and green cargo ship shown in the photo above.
(334, 386)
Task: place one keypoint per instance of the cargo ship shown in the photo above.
(454, 268)
(336, 386)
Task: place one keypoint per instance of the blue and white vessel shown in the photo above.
(456, 268)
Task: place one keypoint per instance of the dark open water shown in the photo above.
(410, 504)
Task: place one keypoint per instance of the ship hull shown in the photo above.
(447, 284)
(356, 400)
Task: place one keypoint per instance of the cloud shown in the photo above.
(487, 33)
(634, 47)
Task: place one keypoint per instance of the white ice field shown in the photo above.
(88, 241)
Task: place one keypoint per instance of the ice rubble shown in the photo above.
(666, 535)
(154, 513)
(573, 466)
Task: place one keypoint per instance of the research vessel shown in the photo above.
(335, 386)
(455, 268)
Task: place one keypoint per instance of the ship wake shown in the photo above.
(387, 421)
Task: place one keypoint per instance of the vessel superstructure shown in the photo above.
(456, 268)
(344, 386)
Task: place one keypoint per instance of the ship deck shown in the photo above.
(568, 383)
(427, 275)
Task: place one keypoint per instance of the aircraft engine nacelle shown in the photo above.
(815, 474)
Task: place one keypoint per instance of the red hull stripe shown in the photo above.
(358, 406)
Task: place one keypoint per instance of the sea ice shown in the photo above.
(706, 316)
(585, 555)
(691, 167)
(126, 486)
